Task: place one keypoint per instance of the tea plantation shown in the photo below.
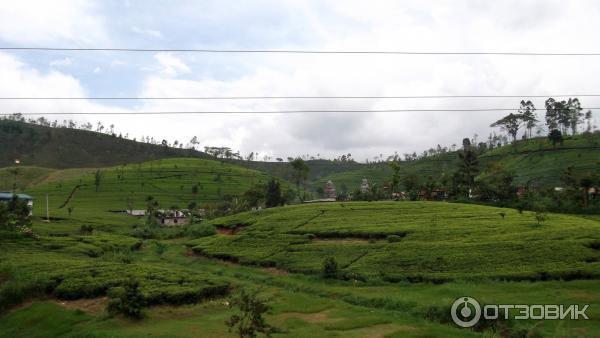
(400, 267)
(413, 241)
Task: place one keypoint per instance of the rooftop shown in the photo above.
(4, 196)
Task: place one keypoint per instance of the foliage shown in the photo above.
(330, 267)
(127, 300)
(249, 321)
(201, 230)
(273, 196)
(14, 213)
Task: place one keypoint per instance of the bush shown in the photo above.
(201, 230)
(394, 238)
(330, 268)
(86, 229)
(127, 300)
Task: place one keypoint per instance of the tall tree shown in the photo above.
(509, 123)
(301, 170)
(528, 116)
(575, 115)
(468, 167)
(273, 195)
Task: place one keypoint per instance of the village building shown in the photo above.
(173, 218)
(364, 186)
(6, 197)
(330, 190)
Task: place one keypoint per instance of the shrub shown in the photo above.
(394, 238)
(250, 320)
(86, 229)
(329, 268)
(127, 300)
(201, 230)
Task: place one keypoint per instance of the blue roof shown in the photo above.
(4, 196)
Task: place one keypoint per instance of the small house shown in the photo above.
(6, 197)
(330, 190)
(173, 217)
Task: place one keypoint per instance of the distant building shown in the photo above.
(330, 190)
(364, 186)
(6, 197)
(173, 218)
(168, 217)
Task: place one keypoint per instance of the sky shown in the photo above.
(455, 26)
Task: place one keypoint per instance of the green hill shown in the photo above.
(534, 161)
(414, 241)
(42, 146)
(169, 181)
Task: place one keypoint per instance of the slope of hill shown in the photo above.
(534, 161)
(50, 147)
(171, 182)
(412, 241)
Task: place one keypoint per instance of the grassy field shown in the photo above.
(402, 264)
(170, 181)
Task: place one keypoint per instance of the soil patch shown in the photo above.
(316, 317)
(92, 306)
(229, 231)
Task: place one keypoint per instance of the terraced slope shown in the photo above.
(170, 181)
(411, 241)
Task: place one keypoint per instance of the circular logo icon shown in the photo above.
(465, 311)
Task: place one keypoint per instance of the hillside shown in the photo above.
(169, 181)
(414, 241)
(48, 147)
(534, 161)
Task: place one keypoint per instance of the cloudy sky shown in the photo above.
(455, 26)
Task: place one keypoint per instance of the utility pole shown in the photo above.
(16, 171)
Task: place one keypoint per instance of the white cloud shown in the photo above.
(46, 22)
(96, 70)
(64, 62)
(171, 65)
(150, 32)
(351, 25)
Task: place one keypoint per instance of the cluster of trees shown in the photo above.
(562, 117)
(14, 214)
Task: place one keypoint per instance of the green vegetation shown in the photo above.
(64, 147)
(171, 182)
(439, 242)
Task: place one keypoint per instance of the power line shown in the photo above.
(294, 51)
(107, 98)
(274, 111)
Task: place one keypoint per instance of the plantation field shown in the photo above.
(171, 182)
(414, 241)
(402, 264)
(532, 161)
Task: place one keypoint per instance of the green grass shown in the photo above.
(387, 293)
(169, 181)
(441, 241)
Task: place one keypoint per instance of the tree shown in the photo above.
(555, 136)
(412, 185)
(396, 176)
(127, 301)
(273, 195)
(510, 123)
(249, 321)
(468, 167)
(588, 119)
(586, 183)
(97, 179)
(329, 267)
(528, 116)
(301, 170)
(573, 109)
